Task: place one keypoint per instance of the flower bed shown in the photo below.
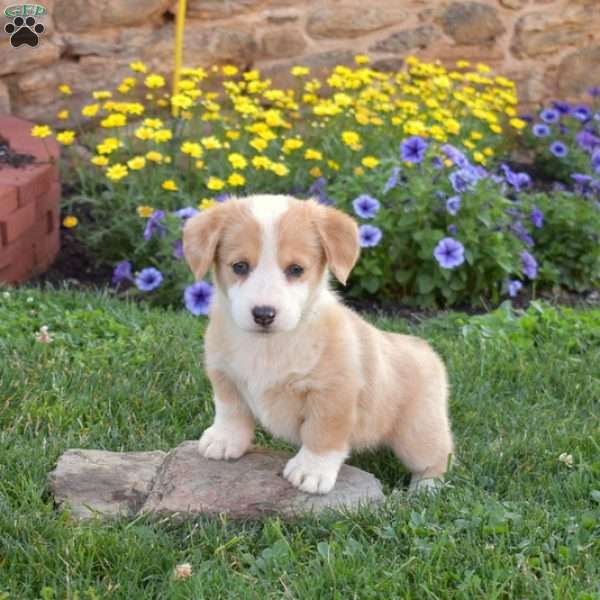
(418, 157)
(29, 202)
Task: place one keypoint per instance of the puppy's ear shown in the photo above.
(339, 236)
(200, 237)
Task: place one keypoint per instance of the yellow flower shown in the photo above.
(299, 71)
(361, 59)
(65, 89)
(211, 143)
(237, 161)
(154, 81)
(230, 70)
(108, 145)
(154, 156)
(114, 120)
(136, 163)
(488, 151)
(479, 157)
(63, 115)
(351, 139)
(333, 165)
(199, 164)
(483, 68)
(153, 123)
(91, 110)
(463, 64)
(233, 135)
(117, 172)
(99, 161)
(144, 133)
(370, 162)
(258, 143)
(261, 162)
(41, 131)
(311, 154)
(138, 66)
(476, 135)
(169, 185)
(280, 169)
(70, 221)
(66, 137)
(315, 172)
(123, 88)
(292, 144)
(192, 148)
(162, 135)
(206, 203)
(358, 171)
(251, 75)
(518, 124)
(145, 211)
(181, 101)
(102, 95)
(215, 184)
(236, 180)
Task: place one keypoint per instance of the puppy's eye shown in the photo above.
(294, 271)
(241, 268)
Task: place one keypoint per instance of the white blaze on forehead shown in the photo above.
(267, 210)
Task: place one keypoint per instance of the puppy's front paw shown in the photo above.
(221, 443)
(314, 473)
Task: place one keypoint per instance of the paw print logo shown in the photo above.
(24, 31)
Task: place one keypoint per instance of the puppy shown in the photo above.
(281, 348)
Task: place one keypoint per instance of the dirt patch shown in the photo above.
(11, 158)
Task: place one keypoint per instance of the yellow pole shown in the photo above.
(179, 26)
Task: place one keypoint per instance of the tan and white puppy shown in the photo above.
(282, 349)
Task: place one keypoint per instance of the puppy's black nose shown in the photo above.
(264, 315)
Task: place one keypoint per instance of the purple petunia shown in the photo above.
(178, 249)
(464, 178)
(537, 217)
(148, 279)
(594, 91)
(449, 253)
(452, 229)
(455, 155)
(513, 287)
(122, 271)
(596, 160)
(437, 162)
(582, 113)
(541, 130)
(550, 115)
(529, 265)
(392, 181)
(564, 108)
(518, 181)
(369, 236)
(318, 189)
(154, 225)
(453, 205)
(519, 230)
(413, 149)
(365, 206)
(197, 297)
(558, 149)
(186, 213)
(587, 140)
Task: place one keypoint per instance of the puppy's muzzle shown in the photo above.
(263, 315)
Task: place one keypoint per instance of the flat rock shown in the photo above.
(104, 483)
(184, 483)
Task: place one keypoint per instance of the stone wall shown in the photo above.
(550, 47)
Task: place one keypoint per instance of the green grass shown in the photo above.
(512, 522)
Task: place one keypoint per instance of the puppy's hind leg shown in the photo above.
(422, 440)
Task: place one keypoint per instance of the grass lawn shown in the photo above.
(513, 521)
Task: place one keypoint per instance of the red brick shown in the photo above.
(8, 200)
(31, 181)
(46, 250)
(49, 200)
(18, 270)
(17, 223)
(13, 253)
(18, 133)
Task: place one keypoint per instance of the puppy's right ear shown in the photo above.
(200, 237)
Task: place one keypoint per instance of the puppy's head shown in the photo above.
(270, 255)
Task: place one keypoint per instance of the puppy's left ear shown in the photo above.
(200, 237)
(339, 236)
